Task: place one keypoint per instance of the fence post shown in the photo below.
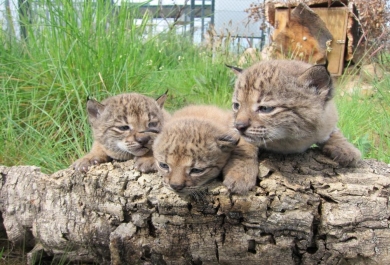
(24, 11)
(192, 19)
(212, 11)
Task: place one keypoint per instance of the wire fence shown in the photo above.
(202, 20)
(207, 20)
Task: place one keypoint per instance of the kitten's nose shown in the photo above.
(241, 126)
(177, 187)
(142, 139)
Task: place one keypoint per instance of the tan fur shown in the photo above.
(287, 106)
(199, 143)
(124, 126)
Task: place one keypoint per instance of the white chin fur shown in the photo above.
(138, 151)
(248, 139)
(123, 147)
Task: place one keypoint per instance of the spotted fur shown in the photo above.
(287, 106)
(199, 143)
(124, 126)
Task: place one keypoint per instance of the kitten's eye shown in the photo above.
(152, 124)
(236, 106)
(163, 166)
(197, 170)
(265, 109)
(124, 128)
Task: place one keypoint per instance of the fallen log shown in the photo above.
(304, 210)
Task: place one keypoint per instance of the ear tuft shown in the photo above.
(94, 109)
(236, 70)
(161, 99)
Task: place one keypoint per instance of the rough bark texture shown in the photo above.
(305, 210)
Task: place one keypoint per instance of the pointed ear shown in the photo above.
(318, 76)
(94, 109)
(161, 99)
(228, 142)
(235, 70)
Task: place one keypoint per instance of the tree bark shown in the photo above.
(304, 210)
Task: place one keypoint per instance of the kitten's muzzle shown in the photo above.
(176, 187)
(142, 139)
(241, 126)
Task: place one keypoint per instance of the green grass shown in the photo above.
(97, 50)
(365, 120)
(88, 51)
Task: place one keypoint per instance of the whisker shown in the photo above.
(194, 195)
(199, 196)
(265, 143)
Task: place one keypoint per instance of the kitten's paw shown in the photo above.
(82, 165)
(237, 185)
(241, 180)
(145, 164)
(345, 154)
(340, 150)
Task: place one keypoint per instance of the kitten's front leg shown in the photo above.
(241, 170)
(145, 163)
(96, 156)
(340, 150)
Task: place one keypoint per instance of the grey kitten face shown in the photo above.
(126, 123)
(280, 100)
(190, 153)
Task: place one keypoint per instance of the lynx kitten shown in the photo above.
(124, 126)
(199, 143)
(286, 106)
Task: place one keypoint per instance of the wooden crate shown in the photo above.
(336, 21)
